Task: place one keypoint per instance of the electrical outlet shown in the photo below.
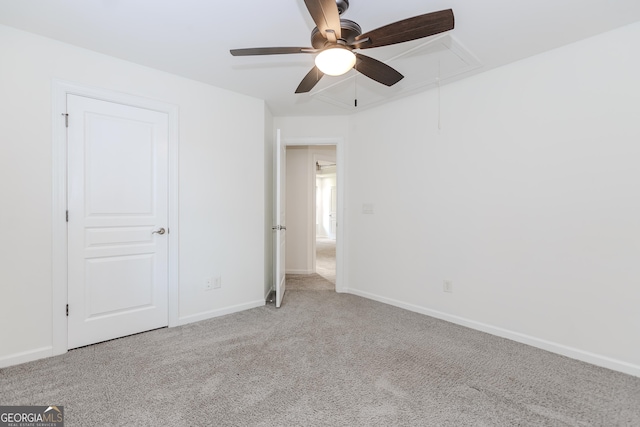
(217, 282)
(208, 284)
(447, 286)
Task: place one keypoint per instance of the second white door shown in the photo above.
(117, 220)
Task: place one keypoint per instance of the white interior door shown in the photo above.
(117, 220)
(280, 227)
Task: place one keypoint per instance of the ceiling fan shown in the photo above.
(335, 39)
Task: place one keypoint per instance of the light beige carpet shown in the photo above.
(323, 359)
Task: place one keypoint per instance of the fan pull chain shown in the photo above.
(355, 89)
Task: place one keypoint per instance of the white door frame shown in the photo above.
(60, 90)
(340, 186)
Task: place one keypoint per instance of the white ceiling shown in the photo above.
(192, 38)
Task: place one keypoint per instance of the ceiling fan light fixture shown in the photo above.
(335, 61)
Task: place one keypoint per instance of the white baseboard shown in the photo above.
(26, 356)
(299, 271)
(574, 353)
(43, 352)
(218, 312)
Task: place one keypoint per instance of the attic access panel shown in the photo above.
(421, 64)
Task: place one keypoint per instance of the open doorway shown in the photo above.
(312, 201)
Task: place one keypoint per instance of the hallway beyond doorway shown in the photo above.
(325, 276)
(326, 259)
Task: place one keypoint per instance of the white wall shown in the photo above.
(298, 129)
(222, 190)
(527, 200)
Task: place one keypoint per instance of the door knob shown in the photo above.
(161, 231)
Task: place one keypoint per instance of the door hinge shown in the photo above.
(67, 216)
(67, 310)
(66, 119)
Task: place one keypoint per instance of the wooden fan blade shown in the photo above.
(310, 80)
(408, 29)
(271, 51)
(376, 70)
(325, 15)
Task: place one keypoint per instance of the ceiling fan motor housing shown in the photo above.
(350, 30)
